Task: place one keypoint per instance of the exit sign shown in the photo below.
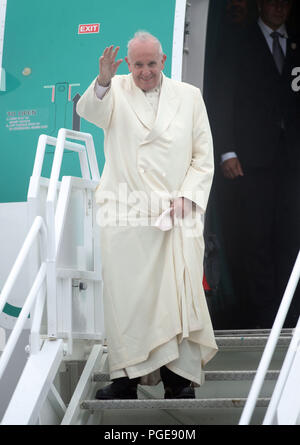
(91, 28)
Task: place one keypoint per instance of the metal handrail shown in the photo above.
(48, 235)
(282, 379)
(39, 160)
(38, 227)
(271, 344)
(57, 161)
(63, 134)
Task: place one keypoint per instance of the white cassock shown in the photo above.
(157, 146)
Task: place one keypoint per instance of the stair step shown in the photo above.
(209, 376)
(249, 341)
(251, 332)
(95, 405)
(237, 375)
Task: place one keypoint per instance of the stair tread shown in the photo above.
(249, 341)
(238, 375)
(250, 337)
(251, 332)
(210, 375)
(238, 402)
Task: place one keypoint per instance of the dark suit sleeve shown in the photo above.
(223, 98)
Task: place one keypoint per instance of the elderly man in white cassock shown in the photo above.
(152, 197)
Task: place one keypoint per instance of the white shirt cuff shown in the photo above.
(100, 90)
(164, 222)
(228, 155)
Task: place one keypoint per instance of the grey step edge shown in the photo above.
(249, 341)
(237, 375)
(95, 405)
(210, 376)
(251, 332)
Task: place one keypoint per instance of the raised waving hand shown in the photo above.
(108, 65)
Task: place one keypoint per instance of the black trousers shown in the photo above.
(261, 230)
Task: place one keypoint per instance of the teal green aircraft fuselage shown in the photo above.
(50, 56)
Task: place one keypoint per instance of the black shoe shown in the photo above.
(180, 393)
(122, 388)
(176, 387)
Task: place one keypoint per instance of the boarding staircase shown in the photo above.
(220, 400)
(252, 379)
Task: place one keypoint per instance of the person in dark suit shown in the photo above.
(256, 129)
